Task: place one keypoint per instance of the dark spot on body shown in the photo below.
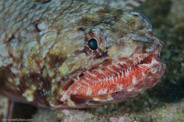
(132, 23)
(140, 27)
(32, 78)
(60, 102)
(43, 1)
(78, 52)
(55, 60)
(11, 38)
(81, 74)
(120, 11)
(80, 100)
(47, 83)
(106, 63)
(139, 49)
(107, 21)
(122, 43)
(89, 21)
(105, 10)
(81, 29)
(86, 50)
(40, 97)
(130, 5)
(118, 14)
(102, 55)
(123, 95)
(36, 79)
(135, 15)
(37, 28)
(114, 30)
(92, 69)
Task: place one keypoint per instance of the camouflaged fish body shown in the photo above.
(48, 56)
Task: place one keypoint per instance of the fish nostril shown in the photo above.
(122, 42)
(148, 48)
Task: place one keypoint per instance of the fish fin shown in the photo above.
(6, 107)
(121, 4)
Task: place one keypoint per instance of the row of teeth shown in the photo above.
(117, 66)
(111, 78)
(122, 72)
(139, 60)
(119, 74)
(106, 79)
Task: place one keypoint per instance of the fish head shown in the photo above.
(109, 59)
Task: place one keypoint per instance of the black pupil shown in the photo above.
(92, 43)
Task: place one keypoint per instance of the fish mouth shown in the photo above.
(123, 76)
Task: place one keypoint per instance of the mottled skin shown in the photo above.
(124, 4)
(45, 59)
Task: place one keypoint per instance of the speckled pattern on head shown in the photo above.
(46, 60)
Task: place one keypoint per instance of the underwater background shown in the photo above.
(162, 103)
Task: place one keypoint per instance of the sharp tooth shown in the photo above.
(86, 78)
(134, 80)
(127, 72)
(112, 78)
(109, 68)
(93, 75)
(117, 66)
(106, 79)
(116, 79)
(119, 75)
(101, 72)
(83, 81)
(122, 73)
(122, 63)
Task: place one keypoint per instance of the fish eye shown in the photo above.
(92, 43)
